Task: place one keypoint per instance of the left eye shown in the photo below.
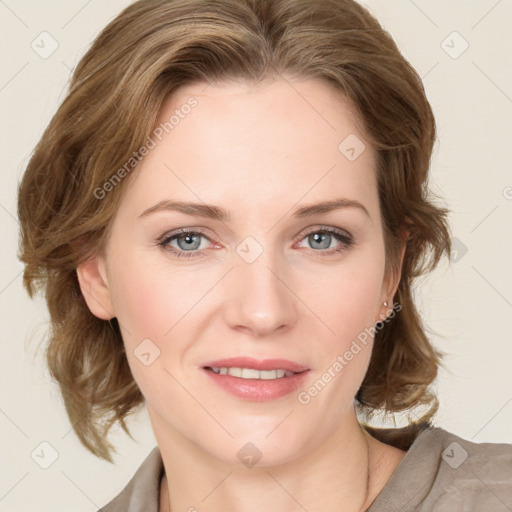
(321, 239)
(189, 242)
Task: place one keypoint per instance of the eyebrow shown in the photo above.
(214, 212)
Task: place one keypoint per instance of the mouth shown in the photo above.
(250, 368)
(251, 373)
(255, 380)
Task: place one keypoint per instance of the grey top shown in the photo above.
(441, 472)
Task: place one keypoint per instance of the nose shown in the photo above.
(260, 298)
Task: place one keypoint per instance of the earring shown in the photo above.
(386, 303)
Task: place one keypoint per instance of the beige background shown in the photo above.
(467, 304)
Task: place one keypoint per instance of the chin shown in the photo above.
(261, 447)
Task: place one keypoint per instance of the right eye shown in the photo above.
(188, 243)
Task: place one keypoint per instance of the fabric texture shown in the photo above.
(441, 472)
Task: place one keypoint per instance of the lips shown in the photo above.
(243, 384)
(249, 362)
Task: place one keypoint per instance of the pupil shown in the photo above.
(318, 239)
(190, 240)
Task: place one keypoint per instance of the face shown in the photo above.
(260, 273)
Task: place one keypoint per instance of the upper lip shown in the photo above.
(249, 362)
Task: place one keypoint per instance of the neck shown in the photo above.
(349, 468)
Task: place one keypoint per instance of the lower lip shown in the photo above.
(258, 390)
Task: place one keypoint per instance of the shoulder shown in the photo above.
(476, 474)
(141, 493)
(444, 472)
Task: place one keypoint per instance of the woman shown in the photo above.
(231, 208)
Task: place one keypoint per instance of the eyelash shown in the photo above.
(340, 235)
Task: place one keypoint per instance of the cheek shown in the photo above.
(147, 298)
(358, 298)
(349, 312)
(349, 301)
(151, 305)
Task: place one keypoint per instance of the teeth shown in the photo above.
(249, 373)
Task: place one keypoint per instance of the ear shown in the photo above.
(391, 283)
(92, 278)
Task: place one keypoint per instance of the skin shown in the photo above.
(259, 152)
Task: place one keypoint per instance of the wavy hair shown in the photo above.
(114, 97)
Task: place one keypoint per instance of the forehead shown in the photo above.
(297, 110)
(254, 144)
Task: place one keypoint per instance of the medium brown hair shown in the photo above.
(114, 98)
